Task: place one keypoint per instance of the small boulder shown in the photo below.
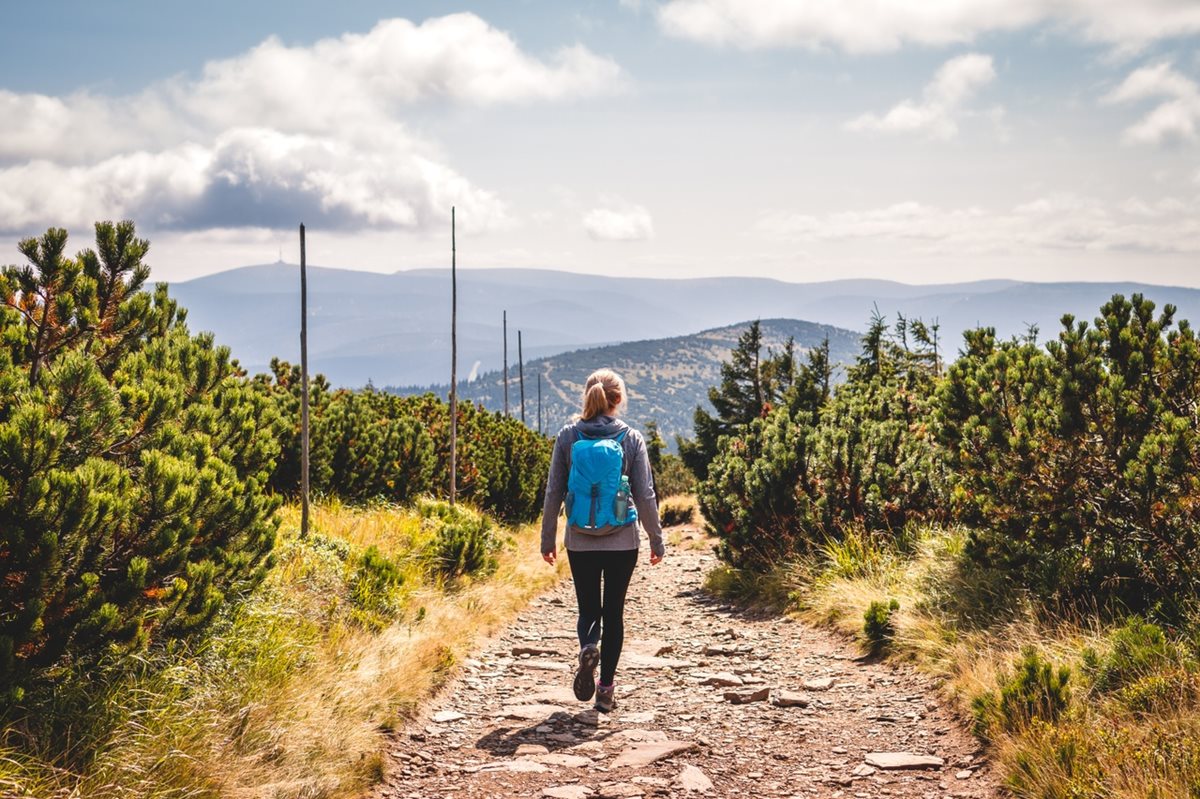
(693, 780)
(746, 697)
(784, 698)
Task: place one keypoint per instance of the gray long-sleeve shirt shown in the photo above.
(641, 485)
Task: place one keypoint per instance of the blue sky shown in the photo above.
(799, 139)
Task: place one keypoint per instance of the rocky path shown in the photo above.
(712, 702)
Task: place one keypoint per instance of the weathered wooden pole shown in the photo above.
(506, 364)
(303, 387)
(539, 402)
(521, 372)
(453, 363)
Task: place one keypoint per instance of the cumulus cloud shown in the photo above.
(252, 177)
(619, 221)
(1054, 222)
(869, 26)
(279, 130)
(1173, 120)
(956, 82)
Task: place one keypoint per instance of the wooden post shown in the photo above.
(453, 363)
(506, 364)
(521, 372)
(539, 402)
(303, 387)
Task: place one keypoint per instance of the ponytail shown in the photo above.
(604, 391)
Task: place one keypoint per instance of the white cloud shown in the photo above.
(251, 177)
(955, 82)
(1175, 119)
(871, 26)
(619, 221)
(1054, 222)
(280, 130)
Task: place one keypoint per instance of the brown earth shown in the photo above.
(684, 726)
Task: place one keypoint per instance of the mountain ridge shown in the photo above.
(393, 328)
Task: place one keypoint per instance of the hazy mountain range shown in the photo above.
(667, 378)
(393, 329)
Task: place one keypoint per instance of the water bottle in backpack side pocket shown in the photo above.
(621, 501)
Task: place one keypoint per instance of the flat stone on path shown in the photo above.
(447, 716)
(533, 650)
(562, 759)
(643, 754)
(902, 760)
(567, 792)
(693, 780)
(531, 749)
(723, 680)
(620, 790)
(746, 697)
(530, 712)
(784, 698)
(819, 684)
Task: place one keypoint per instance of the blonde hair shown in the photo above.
(604, 390)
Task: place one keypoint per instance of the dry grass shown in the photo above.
(293, 696)
(956, 624)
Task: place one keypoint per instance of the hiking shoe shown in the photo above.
(585, 677)
(605, 702)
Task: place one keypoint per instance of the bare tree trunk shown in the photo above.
(506, 364)
(521, 372)
(453, 363)
(304, 443)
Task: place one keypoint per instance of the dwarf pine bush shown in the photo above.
(134, 461)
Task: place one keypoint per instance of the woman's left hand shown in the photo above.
(550, 557)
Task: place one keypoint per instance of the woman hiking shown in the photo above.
(600, 469)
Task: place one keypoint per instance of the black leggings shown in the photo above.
(595, 614)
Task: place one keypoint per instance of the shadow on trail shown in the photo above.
(504, 742)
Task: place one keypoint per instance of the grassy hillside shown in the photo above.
(667, 377)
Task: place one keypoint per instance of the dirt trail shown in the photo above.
(510, 727)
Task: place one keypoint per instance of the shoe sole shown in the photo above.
(608, 709)
(585, 677)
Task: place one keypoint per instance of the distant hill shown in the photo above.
(394, 329)
(667, 378)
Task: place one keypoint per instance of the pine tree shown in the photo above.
(751, 384)
(133, 461)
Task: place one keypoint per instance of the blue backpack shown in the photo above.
(597, 489)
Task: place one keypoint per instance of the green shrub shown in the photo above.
(464, 544)
(1161, 692)
(877, 624)
(1136, 649)
(134, 460)
(673, 512)
(373, 585)
(1035, 690)
(820, 465)
(1077, 460)
(368, 444)
(672, 477)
